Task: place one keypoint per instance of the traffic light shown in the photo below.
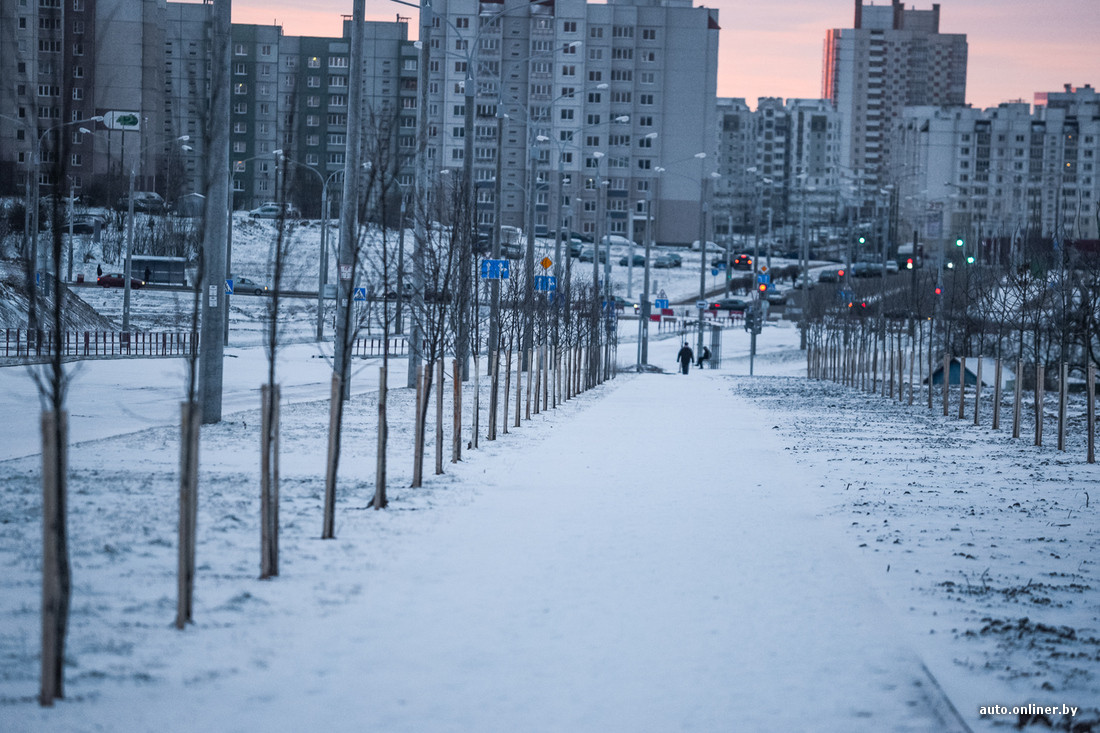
(960, 242)
(863, 240)
(840, 272)
(939, 290)
(762, 287)
(909, 264)
(970, 260)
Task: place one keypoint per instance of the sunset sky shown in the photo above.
(772, 48)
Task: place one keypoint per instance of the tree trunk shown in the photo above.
(190, 421)
(336, 405)
(418, 429)
(269, 481)
(380, 499)
(1039, 391)
(456, 426)
(56, 579)
(440, 369)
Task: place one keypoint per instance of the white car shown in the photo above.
(272, 210)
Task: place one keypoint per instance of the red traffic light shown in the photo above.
(840, 273)
(762, 287)
(938, 291)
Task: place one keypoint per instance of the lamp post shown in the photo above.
(704, 179)
(130, 235)
(322, 266)
(643, 315)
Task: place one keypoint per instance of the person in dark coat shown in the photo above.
(148, 274)
(99, 270)
(685, 358)
(703, 357)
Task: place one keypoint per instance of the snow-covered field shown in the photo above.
(711, 552)
(715, 552)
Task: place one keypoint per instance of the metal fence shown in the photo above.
(26, 343)
(376, 346)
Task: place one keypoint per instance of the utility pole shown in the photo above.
(420, 196)
(216, 233)
(346, 260)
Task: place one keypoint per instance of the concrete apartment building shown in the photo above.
(892, 58)
(779, 164)
(1002, 171)
(598, 97)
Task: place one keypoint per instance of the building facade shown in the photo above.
(892, 58)
(974, 174)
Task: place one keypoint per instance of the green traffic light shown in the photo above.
(970, 260)
(959, 242)
(863, 240)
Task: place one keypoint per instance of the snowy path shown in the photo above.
(620, 588)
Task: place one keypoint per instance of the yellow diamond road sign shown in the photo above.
(546, 262)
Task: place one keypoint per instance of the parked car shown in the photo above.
(118, 280)
(615, 240)
(742, 262)
(711, 247)
(677, 260)
(664, 262)
(728, 304)
(87, 223)
(272, 210)
(511, 251)
(775, 296)
(828, 276)
(892, 267)
(148, 202)
(639, 260)
(575, 247)
(621, 303)
(588, 254)
(247, 285)
(866, 269)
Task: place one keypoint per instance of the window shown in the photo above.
(460, 67)
(594, 97)
(313, 121)
(78, 27)
(569, 26)
(623, 97)
(240, 108)
(622, 53)
(337, 138)
(338, 100)
(314, 62)
(78, 48)
(645, 164)
(462, 22)
(239, 69)
(335, 158)
(645, 99)
(78, 94)
(595, 54)
(595, 76)
(238, 49)
(568, 70)
(622, 31)
(338, 62)
(622, 75)
(592, 120)
(76, 159)
(569, 49)
(649, 34)
(645, 121)
(595, 32)
(337, 81)
(648, 57)
(240, 89)
(592, 141)
(645, 142)
(240, 127)
(313, 82)
(567, 114)
(647, 77)
(312, 159)
(240, 146)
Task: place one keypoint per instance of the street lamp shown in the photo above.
(134, 162)
(322, 267)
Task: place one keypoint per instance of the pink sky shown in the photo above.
(773, 49)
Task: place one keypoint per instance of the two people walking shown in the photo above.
(686, 356)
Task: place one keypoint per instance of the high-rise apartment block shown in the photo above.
(601, 99)
(1002, 171)
(893, 58)
(779, 166)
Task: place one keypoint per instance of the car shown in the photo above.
(621, 303)
(775, 296)
(615, 240)
(742, 262)
(511, 251)
(87, 223)
(118, 280)
(711, 247)
(828, 276)
(677, 260)
(797, 284)
(247, 285)
(728, 304)
(588, 254)
(638, 260)
(892, 267)
(272, 210)
(148, 202)
(575, 247)
(665, 261)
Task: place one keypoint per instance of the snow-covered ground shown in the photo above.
(713, 552)
(707, 552)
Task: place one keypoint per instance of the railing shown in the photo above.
(25, 343)
(365, 347)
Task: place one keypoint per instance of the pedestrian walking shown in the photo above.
(685, 357)
(148, 274)
(99, 270)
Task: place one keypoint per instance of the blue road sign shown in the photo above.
(229, 286)
(763, 278)
(360, 295)
(714, 271)
(545, 283)
(661, 303)
(494, 269)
